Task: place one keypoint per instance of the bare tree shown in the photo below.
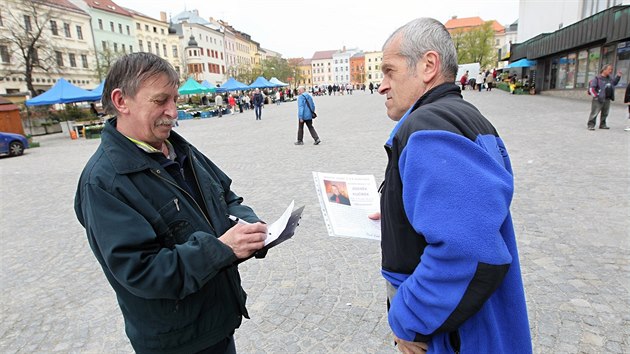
(27, 35)
(106, 58)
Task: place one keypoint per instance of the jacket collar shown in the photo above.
(436, 93)
(125, 156)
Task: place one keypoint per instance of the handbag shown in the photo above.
(313, 114)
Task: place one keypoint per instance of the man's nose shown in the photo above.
(171, 110)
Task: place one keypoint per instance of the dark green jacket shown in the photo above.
(177, 285)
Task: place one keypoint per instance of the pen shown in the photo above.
(237, 220)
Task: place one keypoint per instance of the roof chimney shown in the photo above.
(162, 16)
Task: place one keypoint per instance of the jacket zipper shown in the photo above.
(157, 173)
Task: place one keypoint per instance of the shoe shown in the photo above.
(627, 129)
(299, 143)
(591, 128)
(604, 127)
(317, 142)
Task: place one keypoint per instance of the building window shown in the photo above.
(104, 45)
(157, 48)
(4, 54)
(138, 26)
(59, 58)
(79, 32)
(111, 26)
(120, 28)
(582, 65)
(140, 45)
(84, 60)
(116, 47)
(73, 60)
(130, 49)
(128, 31)
(146, 28)
(27, 23)
(35, 56)
(124, 49)
(164, 50)
(154, 29)
(53, 28)
(174, 50)
(161, 30)
(149, 47)
(1, 24)
(100, 24)
(66, 30)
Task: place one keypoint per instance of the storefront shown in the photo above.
(570, 57)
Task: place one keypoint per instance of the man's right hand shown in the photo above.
(244, 240)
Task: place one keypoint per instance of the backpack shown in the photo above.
(588, 89)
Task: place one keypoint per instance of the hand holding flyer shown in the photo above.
(346, 201)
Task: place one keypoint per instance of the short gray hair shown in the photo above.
(129, 72)
(422, 35)
(604, 67)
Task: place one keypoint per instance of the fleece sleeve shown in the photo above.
(127, 246)
(457, 196)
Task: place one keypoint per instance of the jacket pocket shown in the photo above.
(173, 226)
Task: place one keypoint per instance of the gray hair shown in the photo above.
(604, 67)
(129, 72)
(422, 35)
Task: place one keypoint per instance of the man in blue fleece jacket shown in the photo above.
(449, 252)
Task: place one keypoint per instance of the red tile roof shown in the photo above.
(65, 4)
(107, 5)
(324, 54)
(468, 23)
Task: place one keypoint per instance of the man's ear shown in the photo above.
(430, 66)
(119, 101)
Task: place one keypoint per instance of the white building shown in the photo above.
(536, 17)
(64, 50)
(341, 65)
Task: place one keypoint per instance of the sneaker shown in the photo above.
(591, 128)
(627, 129)
(317, 142)
(299, 143)
(604, 127)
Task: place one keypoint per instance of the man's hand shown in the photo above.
(245, 239)
(406, 347)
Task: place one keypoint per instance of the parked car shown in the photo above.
(12, 144)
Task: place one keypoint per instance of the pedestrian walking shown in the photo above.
(602, 88)
(258, 102)
(306, 113)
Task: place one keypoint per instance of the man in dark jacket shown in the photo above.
(602, 88)
(258, 101)
(155, 210)
(449, 252)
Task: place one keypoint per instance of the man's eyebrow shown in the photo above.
(158, 96)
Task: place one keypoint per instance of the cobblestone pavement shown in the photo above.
(321, 294)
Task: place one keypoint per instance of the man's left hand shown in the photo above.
(407, 347)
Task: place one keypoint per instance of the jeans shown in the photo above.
(596, 108)
(258, 111)
(311, 129)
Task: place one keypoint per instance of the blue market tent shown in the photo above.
(279, 83)
(191, 87)
(208, 85)
(261, 82)
(97, 92)
(62, 92)
(523, 63)
(232, 85)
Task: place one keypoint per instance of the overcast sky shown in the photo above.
(299, 28)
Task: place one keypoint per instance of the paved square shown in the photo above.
(321, 294)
